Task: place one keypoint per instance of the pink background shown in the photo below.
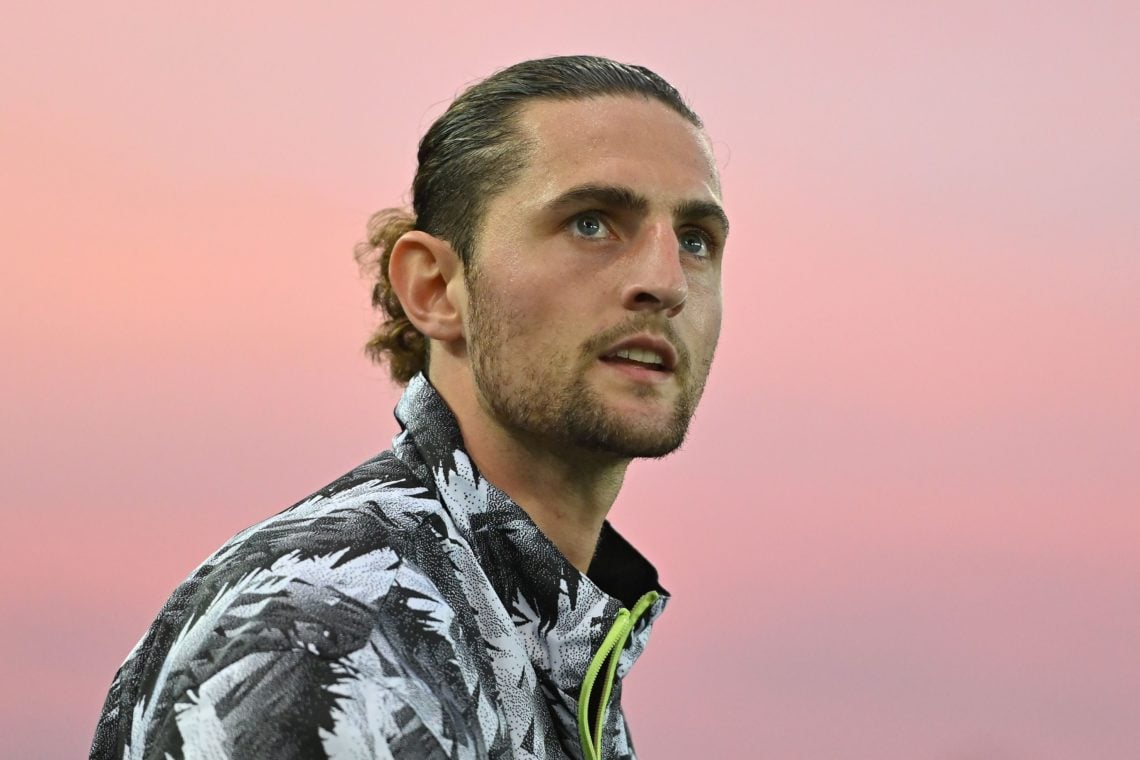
(905, 525)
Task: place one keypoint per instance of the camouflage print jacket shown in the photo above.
(408, 610)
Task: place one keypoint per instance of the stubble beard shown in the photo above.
(545, 406)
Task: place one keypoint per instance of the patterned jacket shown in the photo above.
(410, 609)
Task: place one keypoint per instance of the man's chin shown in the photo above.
(638, 421)
(637, 447)
(633, 436)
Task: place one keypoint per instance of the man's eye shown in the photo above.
(590, 226)
(696, 243)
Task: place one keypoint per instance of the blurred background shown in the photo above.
(905, 524)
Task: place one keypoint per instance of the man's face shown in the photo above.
(594, 294)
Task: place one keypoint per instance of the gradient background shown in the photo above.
(905, 525)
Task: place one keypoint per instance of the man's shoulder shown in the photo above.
(330, 555)
(354, 579)
(370, 509)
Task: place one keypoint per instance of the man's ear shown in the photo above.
(420, 269)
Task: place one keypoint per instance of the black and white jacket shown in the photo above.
(408, 610)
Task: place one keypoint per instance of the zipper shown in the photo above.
(610, 649)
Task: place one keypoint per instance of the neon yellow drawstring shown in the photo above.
(611, 648)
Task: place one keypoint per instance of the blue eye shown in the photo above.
(695, 242)
(590, 226)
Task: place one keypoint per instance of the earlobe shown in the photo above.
(421, 268)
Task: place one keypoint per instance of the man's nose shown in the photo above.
(657, 280)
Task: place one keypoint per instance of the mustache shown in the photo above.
(648, 323)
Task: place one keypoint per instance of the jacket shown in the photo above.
(409, 609)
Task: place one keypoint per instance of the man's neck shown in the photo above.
(566, 491)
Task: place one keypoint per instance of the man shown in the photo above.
(553, 307)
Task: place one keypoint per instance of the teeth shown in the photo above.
(641, 355)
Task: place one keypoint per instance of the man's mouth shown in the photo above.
(639, 357)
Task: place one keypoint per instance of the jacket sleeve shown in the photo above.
(289, 665)
(294, 705)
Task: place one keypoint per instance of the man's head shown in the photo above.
(468, 156)
(563, 208)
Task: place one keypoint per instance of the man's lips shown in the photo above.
(645, 350)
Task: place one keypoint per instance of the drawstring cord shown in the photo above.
(610, 649)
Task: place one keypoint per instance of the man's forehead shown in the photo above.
(615, 139)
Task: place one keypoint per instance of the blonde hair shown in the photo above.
(396, 340)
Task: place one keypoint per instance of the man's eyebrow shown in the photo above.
(702, 210)
(611, 196)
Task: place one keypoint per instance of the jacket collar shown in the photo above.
(567, 613)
